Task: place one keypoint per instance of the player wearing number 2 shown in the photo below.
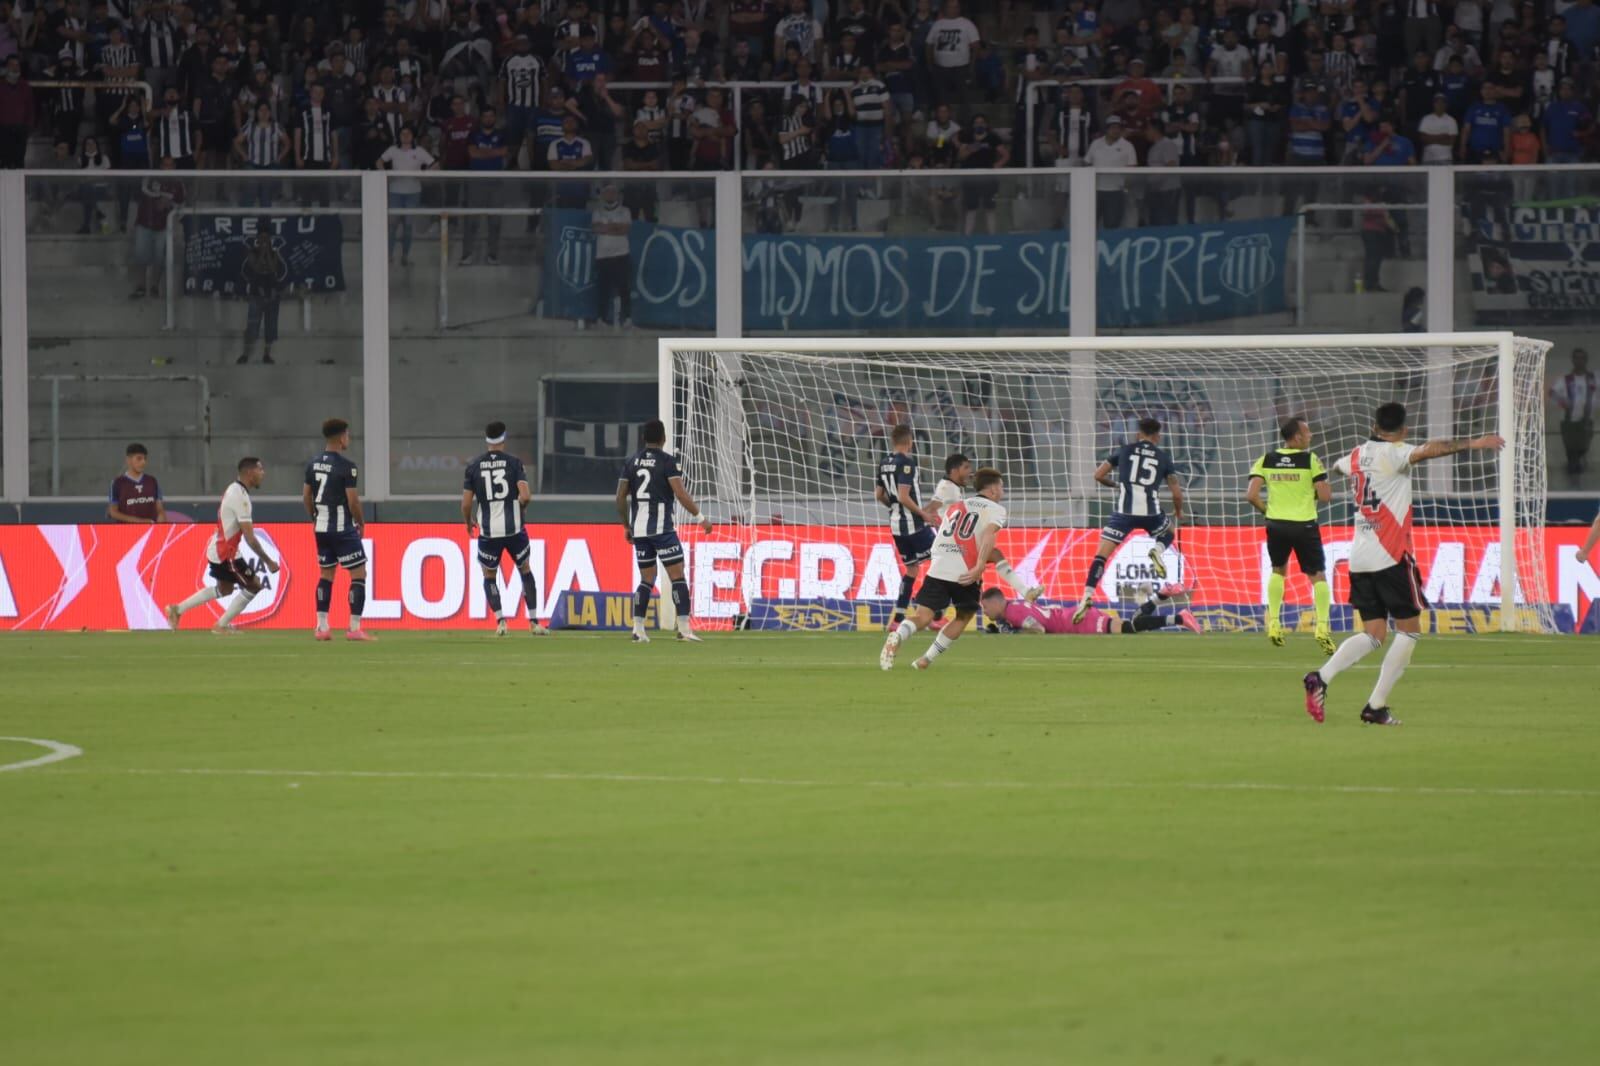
(1137, 471)
(650, 483)
(493, 497)
(961, 551)
(334, 504)
(1384, 582)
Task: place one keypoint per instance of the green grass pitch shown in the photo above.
(456, 850)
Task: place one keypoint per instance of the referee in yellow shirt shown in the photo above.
(1295, 482)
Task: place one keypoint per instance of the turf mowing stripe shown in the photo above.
(778, 782)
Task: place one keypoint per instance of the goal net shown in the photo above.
(781, 442)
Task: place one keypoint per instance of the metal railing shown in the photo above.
(203, 416)
(115, 86)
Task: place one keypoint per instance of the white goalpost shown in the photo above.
(780, 440)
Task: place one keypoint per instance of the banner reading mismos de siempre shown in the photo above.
(1147, 277)
(308, 252)
(425, 576)
(1538, 262)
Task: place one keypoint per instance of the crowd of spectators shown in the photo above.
(262, 85)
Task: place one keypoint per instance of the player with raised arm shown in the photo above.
(334, 504)
(1017, 616)
(234, 524)
(494, 494)
(1136, 470)
(961, 551)
(951, 488)
(896, 489)
(1384, 582)
(651, 481)
(1295, 482)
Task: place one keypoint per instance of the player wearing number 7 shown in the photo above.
(1384, 582)
(1137, 471)
(334, 504)
(493, 497)
(650, 483)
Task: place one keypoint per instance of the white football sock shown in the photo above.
(322, 619)
(1394, 665)
(940, 645)
(205, 595)
(683, 625)
(1011, 577)
(1354, 648)
(906, 629)
(236, 607)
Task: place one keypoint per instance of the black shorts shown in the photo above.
(1393, 593)
(1303, 540)
(235, 572)
(936, 594)
(343, 548)
(491, 549)
(914, 548)
(979, 194)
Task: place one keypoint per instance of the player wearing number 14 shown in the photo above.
(493, 497)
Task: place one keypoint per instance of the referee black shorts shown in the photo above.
(1303, 540)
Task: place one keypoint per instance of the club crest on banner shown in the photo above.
(575, 257)
(1247, 265)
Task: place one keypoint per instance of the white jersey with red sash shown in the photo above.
(233, 511)
(955, 550)
(1381, 471)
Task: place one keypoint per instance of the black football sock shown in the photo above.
(641, 600)
(907, 584)
(530, 594)
(1097, 570)
(358, 601)
(491, 592)
(324, 595)
(680, 598)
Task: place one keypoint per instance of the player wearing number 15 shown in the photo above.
(1136, 470)
(1295, 483)
(493, 497)
(650, 483)
(334, 504)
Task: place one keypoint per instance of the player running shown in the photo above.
(896, 489)
(1295, 482)
(961, 551)
(1136, 470)
(222, 552)
(1013, 616)
(494, 494)
(1384, 582)
(951, 488)
(334, 504)
(651, 480)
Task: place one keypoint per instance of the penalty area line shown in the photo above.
(57, 752)
(806, 783)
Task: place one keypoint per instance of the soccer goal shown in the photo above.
(780, 441)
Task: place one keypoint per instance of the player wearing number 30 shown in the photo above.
(493, 497)
(1137, 471)
(334, 504)
(650, 483)
(962, 549)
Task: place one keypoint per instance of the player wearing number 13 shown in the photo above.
(1137, 471)
(493, 496)
(334, 504)
(650, 483)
